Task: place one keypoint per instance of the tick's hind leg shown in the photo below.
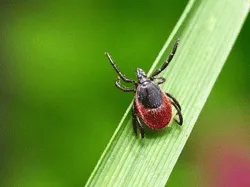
(136, 122)
(177, 106)
(174, 100)
(178, 113)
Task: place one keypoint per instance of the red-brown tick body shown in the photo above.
(151, 104)
(155, 118)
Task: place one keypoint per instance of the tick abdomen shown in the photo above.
(155, 118)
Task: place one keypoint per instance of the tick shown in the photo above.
(151, 104)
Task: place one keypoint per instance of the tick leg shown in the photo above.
(125, 89)
(140, 127)
(136, 121)
(178, 113)
(166, 63)
(161, 79)
(177, 106)
(118, 71)
(174, 100)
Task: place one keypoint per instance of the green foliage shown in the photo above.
(207, 31)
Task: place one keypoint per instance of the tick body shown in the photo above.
(151, 104)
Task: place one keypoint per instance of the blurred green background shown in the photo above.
(59, 106)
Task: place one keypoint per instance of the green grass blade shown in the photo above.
(207, 30)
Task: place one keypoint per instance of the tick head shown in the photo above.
(141, 75)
